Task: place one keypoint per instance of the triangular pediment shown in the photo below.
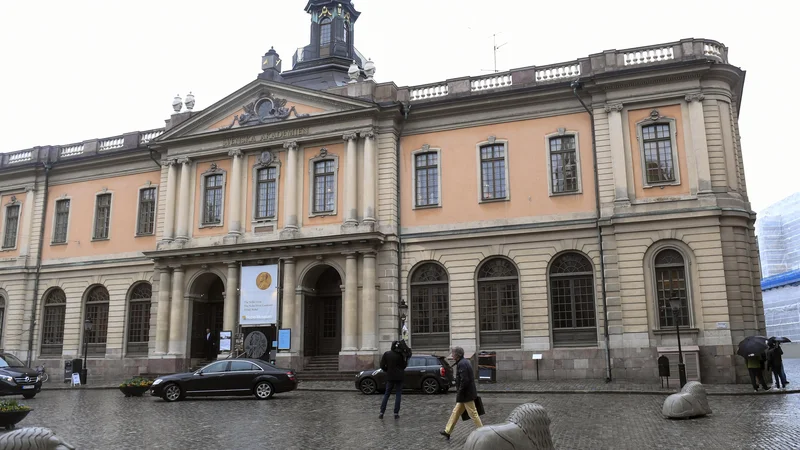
(261, 103)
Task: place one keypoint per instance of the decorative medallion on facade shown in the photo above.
(323, 152)
(655, 115)
(265, 158)
(265, 109)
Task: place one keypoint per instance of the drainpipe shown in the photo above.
(47, 166)
(575, 86)
(404, 109)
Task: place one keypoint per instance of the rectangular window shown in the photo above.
(324, 190)
(493, 171)
(212, 201)
(147, 212)
(102, 216)
(657, 148)
(427, 178)
(62, 221)
(12, 220)
(563, 164)
(266, 193)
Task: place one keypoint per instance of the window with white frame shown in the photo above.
(212, 199)
(147, 212)
(266, 193)
(563, 164)
(493, 170)
(102, 216)
(11, 225)
(324, 200)
(61, 221)
(658, 150)
(427, 179)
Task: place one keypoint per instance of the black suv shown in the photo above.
(16, 379)
(429, 373)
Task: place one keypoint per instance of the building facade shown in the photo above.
(551, 210)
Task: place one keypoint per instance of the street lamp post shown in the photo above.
(87, 328)
(675, 304)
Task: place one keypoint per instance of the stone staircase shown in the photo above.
(324, 368)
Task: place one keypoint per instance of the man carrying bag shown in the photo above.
(466, 394)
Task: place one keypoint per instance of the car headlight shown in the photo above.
(7, 378)
(158, 381)
(38, 378)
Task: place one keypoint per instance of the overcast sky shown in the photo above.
(77, 70)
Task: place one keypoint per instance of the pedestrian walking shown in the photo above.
(394, 363)
(755, 368)
(775, 364)
(209, 345)
(466, 393)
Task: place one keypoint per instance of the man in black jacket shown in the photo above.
(466, 393)
(393, 363)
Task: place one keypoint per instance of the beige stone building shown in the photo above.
(551, 210)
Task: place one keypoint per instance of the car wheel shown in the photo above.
(172, 392)
(263, 390)
(29, 396)
(430, 386)
(368, 386)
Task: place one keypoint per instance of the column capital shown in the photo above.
(182, 160)
(232, 264)
(29, 189)
(169, 162)
(370, 254)
(288, 260)
(350, 136)
(290, 145)
(350, 255)
(235, 152)
(616, 107)
(165, 269)
(696, 97)
(369, 133)
(177, 269)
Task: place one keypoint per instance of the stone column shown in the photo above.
(617, 142)
(350, 341)
(231, 298)
(288, 296)
(290, 186)
(177, 333)
(184, 200)
(351, 180)
(172, 190)
(162, 317)
(699, 142)
(235, 210)
(369, 302)
(26, 222)
(369, 177)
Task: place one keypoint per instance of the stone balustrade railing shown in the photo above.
(53, 153)
(604, 62)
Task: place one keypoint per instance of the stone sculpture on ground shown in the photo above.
(691, 401)
(527, 427)
(33, 438)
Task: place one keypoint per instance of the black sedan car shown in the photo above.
(16, 379)
(226, 378)
(428, 373)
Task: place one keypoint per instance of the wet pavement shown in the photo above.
(104, 419)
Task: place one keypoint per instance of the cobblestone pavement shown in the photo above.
(104, 419)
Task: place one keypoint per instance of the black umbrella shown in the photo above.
(781, 339)
(752, 345)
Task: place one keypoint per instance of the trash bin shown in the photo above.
(67, 371)
(487, 367)
(77, 367)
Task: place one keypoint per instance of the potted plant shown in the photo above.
(11, 413)
(135, 386)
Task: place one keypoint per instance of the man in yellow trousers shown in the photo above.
(466, 393)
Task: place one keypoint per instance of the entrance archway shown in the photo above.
(323, 312)
(207, 311)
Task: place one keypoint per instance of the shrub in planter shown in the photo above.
(11, 413)
(135, 386)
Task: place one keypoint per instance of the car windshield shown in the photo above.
(10, 361)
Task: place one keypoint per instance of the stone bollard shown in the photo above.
(690, 402)
(528, 428)
(33, 438)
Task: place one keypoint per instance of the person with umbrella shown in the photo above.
(775, 362)
(752, 349)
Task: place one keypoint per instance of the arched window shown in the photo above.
(346, 32)
(97, 312)
(55, 308)
(670, 283)
(2, 316)
(324, 37)
(139, 319)
(430, 307)
(498, 304)
(572, 300)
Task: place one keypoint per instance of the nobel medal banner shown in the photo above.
(258, 301)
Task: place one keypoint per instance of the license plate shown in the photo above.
(28, 387)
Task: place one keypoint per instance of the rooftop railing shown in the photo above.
(607, 61)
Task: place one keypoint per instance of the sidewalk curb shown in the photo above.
(579, 391)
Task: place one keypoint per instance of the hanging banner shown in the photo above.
(258, 301)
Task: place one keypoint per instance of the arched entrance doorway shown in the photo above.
(323, 312)
(206, 312)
